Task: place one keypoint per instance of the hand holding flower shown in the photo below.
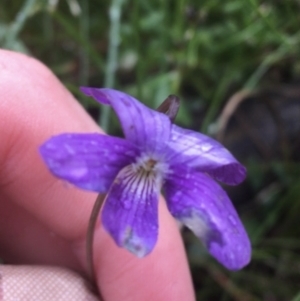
(45, 222)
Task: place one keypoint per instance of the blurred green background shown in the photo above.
(235, 64)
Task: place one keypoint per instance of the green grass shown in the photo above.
(203, 51)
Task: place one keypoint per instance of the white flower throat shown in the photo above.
(149, 167)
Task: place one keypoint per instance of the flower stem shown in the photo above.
(90, 236)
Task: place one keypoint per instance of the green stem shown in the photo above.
(264, 66)
(84, 32)
(216, 100)
(139, 66)
(113, 47)
(90, 236)
(84, 54)
(73, 33)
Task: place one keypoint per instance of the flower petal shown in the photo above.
(204, 207)
(130, 211)
(203, 153)
(89, 161)
(142, 126)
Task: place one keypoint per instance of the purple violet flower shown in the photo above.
(155, 154)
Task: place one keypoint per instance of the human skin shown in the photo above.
(43, 220)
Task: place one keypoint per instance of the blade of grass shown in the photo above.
(217, 99)
(73, 33)
(137, 41)
(112, 60)
(84, 54)
(297, 297)
(268, 23)
(18, 24)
